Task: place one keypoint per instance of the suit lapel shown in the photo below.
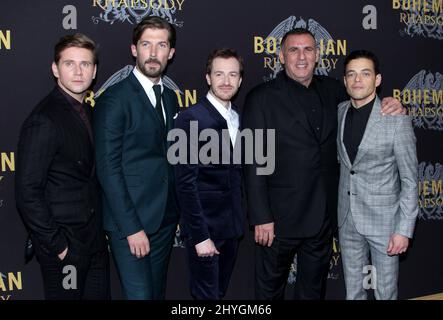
(169, 105)
(72, 113)
(80, 125)
(147, 105)
(218, 118)
(215, 115)
(328, 124)
(372, 129)
(341, 148)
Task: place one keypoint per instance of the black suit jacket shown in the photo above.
(57, 193)
(209, 195)
(303, 187)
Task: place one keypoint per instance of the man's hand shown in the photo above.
(206, 248)
(397, 244)
(264, 234)
(63, 254)
(391, 106)
(139, 244)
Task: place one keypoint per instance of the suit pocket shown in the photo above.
(212, 194)
(213, 200)
(381, 200)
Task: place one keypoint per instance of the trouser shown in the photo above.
(381, 275)
(272, 266)
(209, 276)
(76, 276)
(144, 278)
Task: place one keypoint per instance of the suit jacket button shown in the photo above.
(349, 193)
(92, 210)
(79, 162)
(352, 172)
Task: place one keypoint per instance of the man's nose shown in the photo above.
(153, 52)
(301, 55)
(77, 69)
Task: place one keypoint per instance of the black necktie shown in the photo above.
(82, 113)
(158, 104)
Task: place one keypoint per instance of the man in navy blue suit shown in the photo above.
(209, 190)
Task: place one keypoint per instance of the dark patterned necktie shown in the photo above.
(158, 104)
(82, 113)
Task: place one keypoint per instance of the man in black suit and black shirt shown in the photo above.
(57, 193)
(293, 210)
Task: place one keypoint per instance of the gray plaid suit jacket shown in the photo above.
(380, 188)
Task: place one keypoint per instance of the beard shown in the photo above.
(149, 71)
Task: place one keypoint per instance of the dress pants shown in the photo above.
(209, 276)
(145, 278)
(383, 271)
(75, 277)
(272, 265)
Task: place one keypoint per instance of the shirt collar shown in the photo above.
(72, 101)
(219, 106)
(298, 84)
(146, 83)
(365, 109)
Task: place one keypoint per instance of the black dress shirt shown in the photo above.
(80, 109)
(311, 103)
(355, 126)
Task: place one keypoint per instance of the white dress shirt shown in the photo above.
(229, 114)
(147, 86)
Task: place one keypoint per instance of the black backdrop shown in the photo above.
(407, 40)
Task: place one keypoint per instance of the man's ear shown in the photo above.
(281, 56)
(208, 79)
(134, 50)
(55, 69)
(171, 53)
(377, 80)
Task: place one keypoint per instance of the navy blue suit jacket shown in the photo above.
(131, 149)
(209, 195)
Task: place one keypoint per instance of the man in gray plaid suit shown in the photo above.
(378, 204)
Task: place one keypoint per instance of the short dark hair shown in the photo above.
(78, 40)
(357, 54)
(224, 53)
(297, 31)
(154, 22)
